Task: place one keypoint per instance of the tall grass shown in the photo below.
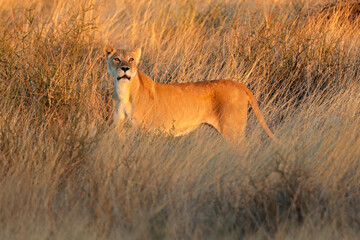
(65, 173)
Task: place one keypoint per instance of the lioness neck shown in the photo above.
(145, 84)
(123, 92)
(146, 81)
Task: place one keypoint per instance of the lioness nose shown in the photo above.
(125, 68)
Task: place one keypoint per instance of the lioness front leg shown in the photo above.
(122, 114)
(118, 115)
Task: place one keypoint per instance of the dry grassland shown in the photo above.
(66, 174)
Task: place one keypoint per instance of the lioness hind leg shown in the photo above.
(234, 133)
(232, 123)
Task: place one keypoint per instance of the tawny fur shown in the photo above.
(177, 108)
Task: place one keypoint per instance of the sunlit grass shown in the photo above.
(65, 173)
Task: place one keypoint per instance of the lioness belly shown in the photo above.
(175, 120)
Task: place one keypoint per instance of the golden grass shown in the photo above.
(65, 173)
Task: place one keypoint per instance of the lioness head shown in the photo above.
(122, 64)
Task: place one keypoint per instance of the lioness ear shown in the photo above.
(109, 51)
(137, 54)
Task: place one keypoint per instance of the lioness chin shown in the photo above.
(177, 108)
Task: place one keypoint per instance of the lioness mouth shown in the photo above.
(127, 77)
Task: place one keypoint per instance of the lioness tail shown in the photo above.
(257, 112)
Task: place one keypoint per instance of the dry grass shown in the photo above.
(65, 173)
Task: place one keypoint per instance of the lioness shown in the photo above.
(177, 108)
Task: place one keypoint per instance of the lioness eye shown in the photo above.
(117, 59)
(131, 59)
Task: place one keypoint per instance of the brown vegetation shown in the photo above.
(65, 174)
(343, 9)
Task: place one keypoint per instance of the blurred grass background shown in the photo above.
(66, 174)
